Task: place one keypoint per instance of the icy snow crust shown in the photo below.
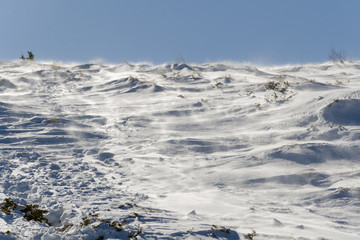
(179, 151)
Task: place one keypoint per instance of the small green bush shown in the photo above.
(30, 57)
(32, 212)
(8, 205)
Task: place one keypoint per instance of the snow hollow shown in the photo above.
(179, 151)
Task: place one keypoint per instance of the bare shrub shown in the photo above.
(337, 56)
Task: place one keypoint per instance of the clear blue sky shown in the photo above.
(259, 31)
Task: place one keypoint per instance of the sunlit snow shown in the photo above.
(180, 151)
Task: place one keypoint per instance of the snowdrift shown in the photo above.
(179, 151)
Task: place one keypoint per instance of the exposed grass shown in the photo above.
(8, 206)
(251, 235)
(279, 86)
(53, 120)
(31, 211)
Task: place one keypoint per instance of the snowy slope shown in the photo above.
(177, 151)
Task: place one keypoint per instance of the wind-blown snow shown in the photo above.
(180, 151)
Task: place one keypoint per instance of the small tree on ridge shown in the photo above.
(30, 57)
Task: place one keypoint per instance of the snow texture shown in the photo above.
(180, 151)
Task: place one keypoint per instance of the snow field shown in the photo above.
(179, 151)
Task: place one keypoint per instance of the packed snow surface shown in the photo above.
(179, 151)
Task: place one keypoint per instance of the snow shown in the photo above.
(180, 151)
